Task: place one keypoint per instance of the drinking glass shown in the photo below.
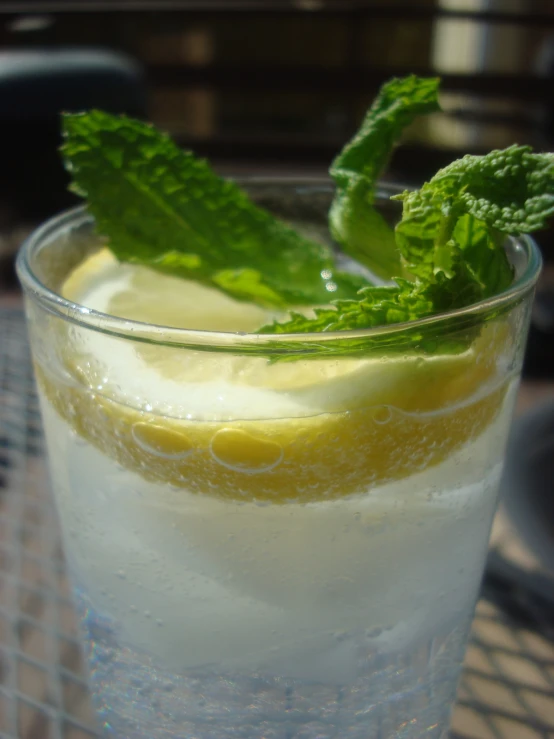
(273, 536)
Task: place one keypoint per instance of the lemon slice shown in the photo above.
(241, 428)
(140, 294)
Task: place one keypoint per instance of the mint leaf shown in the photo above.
(482, 249)
(162, 207)
(511, 190)
(377, 306)
(399, 101)
(359, 228)
(468, 207)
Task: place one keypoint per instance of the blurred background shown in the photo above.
(265, 85)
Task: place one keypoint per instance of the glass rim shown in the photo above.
(132, 330)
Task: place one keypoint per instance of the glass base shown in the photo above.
(403, 695)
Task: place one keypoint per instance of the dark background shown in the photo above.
(266, 85)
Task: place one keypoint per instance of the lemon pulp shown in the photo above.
(240, 428)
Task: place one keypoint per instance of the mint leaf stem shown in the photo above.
(446, 229)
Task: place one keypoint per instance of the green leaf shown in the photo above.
(354, 223)
(363, 232)
(377, 306)
(510, 190)
(466, 210)
(482, 249)
(399, 101)
(162, 207)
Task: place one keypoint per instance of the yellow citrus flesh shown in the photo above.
(394, 418)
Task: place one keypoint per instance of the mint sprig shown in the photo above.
(450, 238)
(164, 208)
(161, 207)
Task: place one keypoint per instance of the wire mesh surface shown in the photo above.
(507, 689)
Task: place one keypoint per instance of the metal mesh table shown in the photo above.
(507, 690)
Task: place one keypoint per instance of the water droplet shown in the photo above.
(326, 274)
(147, 614)
(242, 452)
(121, 574)
(159, 622)
(161, 441)
(382, 414)
(331, 287)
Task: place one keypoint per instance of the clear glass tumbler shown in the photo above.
(273, 549)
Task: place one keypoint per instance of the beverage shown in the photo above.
(291, 579)
(276, 509)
